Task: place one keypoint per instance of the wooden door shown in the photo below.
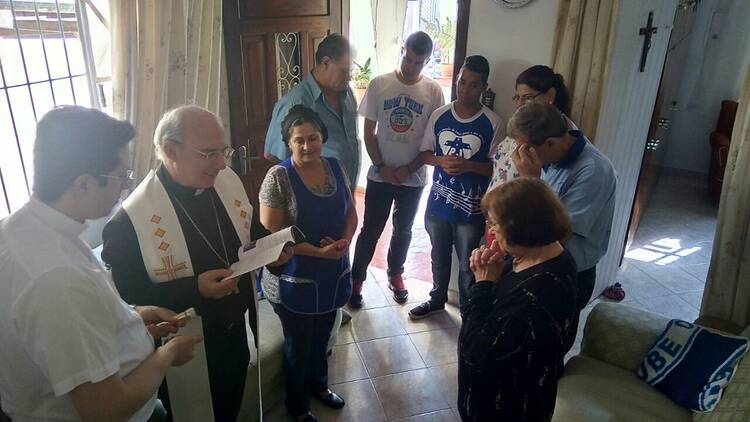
(270, 47)
(626, 110)
(666, 105)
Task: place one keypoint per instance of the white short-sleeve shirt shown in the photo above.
(62, 322)
(401, 112)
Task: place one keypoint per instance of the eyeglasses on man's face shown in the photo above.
(126, 180)
(225, 153)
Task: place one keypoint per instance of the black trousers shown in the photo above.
(227, 357)
(379, 197)
(584, 288)
(305, 360)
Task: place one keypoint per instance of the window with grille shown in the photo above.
(46, 60)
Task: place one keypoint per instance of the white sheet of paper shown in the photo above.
(266, 251)
(189, 389)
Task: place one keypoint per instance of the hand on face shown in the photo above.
(527, 161)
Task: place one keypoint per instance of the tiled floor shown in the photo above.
(390, 368)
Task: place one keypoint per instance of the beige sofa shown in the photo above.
(600, 384)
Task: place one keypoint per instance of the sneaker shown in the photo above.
(355, 301)
(425, 310)
(396, 284)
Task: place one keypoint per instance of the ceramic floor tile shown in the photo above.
(693, 298)
(638, 284)
(345, 364)
(446, 415)
(344, 335)
(671, 306)
(370, 324)
(446, 376)
(699, 271)
(676, 279)
(362, 404)
(410, 393)
(437, 347)
(390, 355)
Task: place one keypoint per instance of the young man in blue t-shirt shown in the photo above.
(457, 143)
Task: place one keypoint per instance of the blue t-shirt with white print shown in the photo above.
(457, 199)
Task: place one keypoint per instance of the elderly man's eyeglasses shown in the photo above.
(525, 98)
(226, 153)
(125, 180)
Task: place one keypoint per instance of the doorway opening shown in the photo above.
(670, 240)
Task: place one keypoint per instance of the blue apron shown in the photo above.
(311, 285)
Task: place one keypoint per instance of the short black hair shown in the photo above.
(72, 141)
(541, 78)
(478, 64)
(419, 42)
(334, 46)
(298, 115)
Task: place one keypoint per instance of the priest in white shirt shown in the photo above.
(71, 348)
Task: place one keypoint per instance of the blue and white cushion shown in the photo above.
(692, 365)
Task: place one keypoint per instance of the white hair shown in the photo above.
(172, 126)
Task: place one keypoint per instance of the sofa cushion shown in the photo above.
(595, 391)
(691, 364)
(735, 400)
(620, 335)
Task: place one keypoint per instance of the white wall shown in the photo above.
(512, 40)
(718, 58)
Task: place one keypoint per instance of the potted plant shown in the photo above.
(361, 79)
(444, 36)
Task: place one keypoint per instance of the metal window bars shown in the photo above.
(45, 61)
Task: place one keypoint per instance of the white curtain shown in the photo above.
(165, 53)
(581, 51)
(388, 18)
(727, 292)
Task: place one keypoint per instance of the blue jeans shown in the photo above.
(378, 200)
(444, 236)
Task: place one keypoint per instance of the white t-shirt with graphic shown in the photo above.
(401, 112)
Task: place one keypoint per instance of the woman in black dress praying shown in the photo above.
(520, 309)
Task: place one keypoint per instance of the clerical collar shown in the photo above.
(574, 152)
(172, 186)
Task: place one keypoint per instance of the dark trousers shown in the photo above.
(379, 197)
(305, 363)
(444, 236)
(227, 357)
(584, 288)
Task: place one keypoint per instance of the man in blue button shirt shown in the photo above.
(325, 90)
(583, 178)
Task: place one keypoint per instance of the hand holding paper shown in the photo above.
(264, 251)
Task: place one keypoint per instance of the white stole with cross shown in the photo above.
(163, 247)
(166, 257)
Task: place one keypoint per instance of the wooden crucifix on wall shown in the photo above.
(648, 31)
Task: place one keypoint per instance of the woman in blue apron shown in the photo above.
(311, 192)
